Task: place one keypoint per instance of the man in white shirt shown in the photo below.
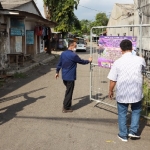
(126, 74)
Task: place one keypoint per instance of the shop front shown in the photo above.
(27, 34)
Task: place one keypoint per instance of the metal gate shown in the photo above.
(99, 84)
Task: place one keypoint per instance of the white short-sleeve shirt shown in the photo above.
(127, 71)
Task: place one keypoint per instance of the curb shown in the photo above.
(31, 66)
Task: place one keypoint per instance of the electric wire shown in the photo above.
(126, 9)
(89, 8)
(143, 6)
(120, 5)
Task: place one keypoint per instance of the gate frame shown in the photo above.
(93, 65)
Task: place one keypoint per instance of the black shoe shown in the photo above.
(66, 110)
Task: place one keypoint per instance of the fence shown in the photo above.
(98, 76)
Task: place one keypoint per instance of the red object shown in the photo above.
(39, 30)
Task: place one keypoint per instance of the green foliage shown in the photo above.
(62, 12)
(86, 25)
(20, 75)
(1, 83)
(146, 100)
(100, 20)
(83, 28)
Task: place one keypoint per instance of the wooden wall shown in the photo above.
(31, 49)
(13, 42)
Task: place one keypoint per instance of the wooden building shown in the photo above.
(22, 27)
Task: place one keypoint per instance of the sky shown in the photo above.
(95, 6)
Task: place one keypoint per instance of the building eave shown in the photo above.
(27, 16)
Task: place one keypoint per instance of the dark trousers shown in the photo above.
(68, 95)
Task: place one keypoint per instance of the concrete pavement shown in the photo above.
(40, 59)
(31, 116)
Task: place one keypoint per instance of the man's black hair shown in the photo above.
(126, 45)
(70, 42)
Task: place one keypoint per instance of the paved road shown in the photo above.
(31, 116)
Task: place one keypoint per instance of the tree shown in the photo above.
(82, 28)
(100, 20)
(62, 12)
(86, 25)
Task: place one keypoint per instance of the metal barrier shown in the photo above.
(98, 76)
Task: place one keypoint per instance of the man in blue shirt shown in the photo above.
(68, 63)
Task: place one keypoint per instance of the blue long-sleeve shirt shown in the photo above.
(68, 63)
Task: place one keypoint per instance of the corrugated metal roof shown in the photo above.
(10, 4)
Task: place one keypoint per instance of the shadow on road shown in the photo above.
(71, 119)
(33, 74)
(11, 111)
(83, 101)
(142, 124)
(18, 95)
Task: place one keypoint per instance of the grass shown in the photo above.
(146, 100)
(2, 83)
(20, 75)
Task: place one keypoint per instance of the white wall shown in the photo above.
(119, 17)
(146, 20)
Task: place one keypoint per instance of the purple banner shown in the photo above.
(109, 49)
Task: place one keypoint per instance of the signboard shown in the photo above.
(30, 37)
(17, 27)
(16, 32)
(109, 49)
